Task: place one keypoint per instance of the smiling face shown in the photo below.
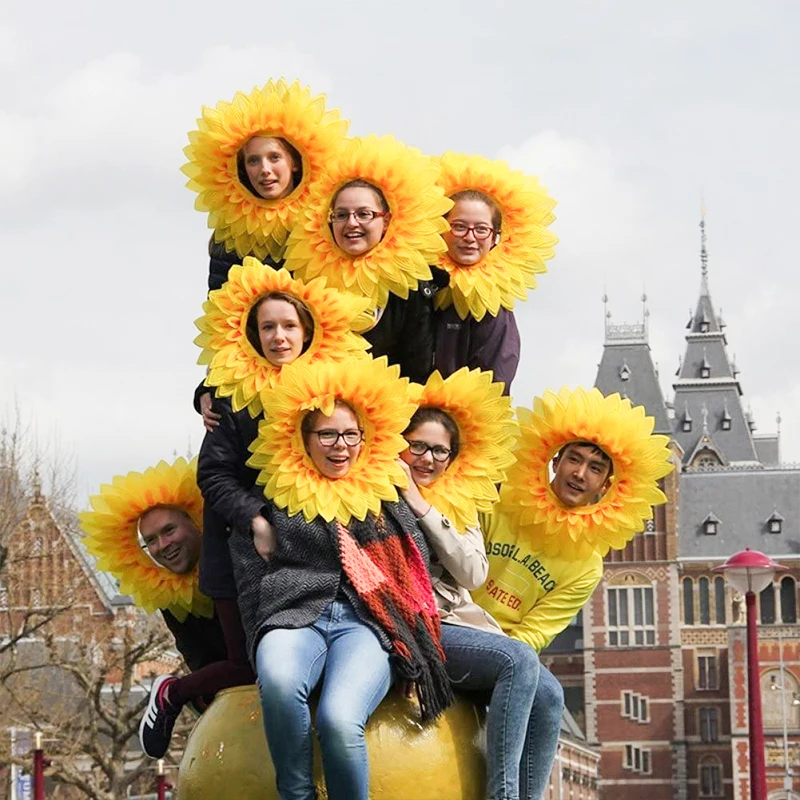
(468, 250)
(582, 475)
(280, 331)
(171, 539)
(353, 237)
(335, 460)
(425, 469)
(269, 167)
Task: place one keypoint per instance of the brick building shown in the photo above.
(655, 668)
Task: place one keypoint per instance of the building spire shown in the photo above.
(703, 251)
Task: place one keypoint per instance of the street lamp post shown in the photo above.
(750, 572)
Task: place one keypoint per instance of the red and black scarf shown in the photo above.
(388, 573)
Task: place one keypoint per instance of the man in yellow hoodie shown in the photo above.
(531, 594)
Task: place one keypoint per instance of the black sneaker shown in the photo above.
(155, 729)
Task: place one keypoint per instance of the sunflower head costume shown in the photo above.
(509, 269)
(486, 432)
(412, 239)
(111, 529)
(235, 367)
(242, 219)
(379, 398)
(624, 433)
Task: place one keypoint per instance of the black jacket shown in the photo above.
(405, 333)
(226, 484)
(198, 639)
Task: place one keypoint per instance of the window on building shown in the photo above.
(631, 616)
(707, 671)
(635, 707)
(687, 425)
(704, 601)
(788, 601)
(719, 599)
(710, 525)
(775, 523)
(637, 759)
(36, 549)
(3, 597)
(36, 597)
(711, 778)
(688, 601)
(766, 602)
(709, 724)
(726, 423)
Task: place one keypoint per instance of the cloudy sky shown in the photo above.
(631, 113)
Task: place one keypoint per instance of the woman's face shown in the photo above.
(468, 249)
(280, 332)
(270, 167)
(425, 469)
(334, 460)
(351, 236)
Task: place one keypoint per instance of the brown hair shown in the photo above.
(358, 183)
(303, 314)
(433, 414)
(474, 194)
(291, 151)
(307, 425)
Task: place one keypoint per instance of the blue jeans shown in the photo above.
(290, 663)
(525, 708)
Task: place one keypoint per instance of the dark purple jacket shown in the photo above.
(491, 344)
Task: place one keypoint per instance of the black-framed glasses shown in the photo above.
(329, 437)
(480, 232)
(418, 448)
(340, 215)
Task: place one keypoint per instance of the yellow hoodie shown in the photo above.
(532, 595)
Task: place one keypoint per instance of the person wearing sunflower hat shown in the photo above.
(251, 162)
(497, 243)
(459, 448)
(256, 325)
(146, 530)
(547, 537)
(372, 228)
(340, 594)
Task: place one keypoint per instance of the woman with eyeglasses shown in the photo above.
(493, 342)
(373, 229)
(524, 700)
(337, 606)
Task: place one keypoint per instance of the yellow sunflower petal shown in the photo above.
(413, 239)
(248, 224)
(621, 430)
(111, 536)
(487, 431)
(509, 270)
(236, 369)
(381, 400)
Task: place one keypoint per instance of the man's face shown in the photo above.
(581, 475)
(171, 539)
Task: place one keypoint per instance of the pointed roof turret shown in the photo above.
(707, 387)
(627, 367)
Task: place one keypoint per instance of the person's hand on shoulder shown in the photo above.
(210, 417)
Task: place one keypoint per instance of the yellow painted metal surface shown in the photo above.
(227, 756)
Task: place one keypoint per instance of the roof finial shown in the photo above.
(703, 251)
(778, 420)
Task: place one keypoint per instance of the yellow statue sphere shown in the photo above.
(227, 755)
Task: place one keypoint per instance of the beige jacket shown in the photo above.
(458, 564)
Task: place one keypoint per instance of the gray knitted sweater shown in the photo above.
(305, 574)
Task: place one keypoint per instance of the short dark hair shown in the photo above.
(359, 183)
(481, 197)
(596, 450)
(291, 151)
(303, 314)
(433, 414)
(307, 424)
